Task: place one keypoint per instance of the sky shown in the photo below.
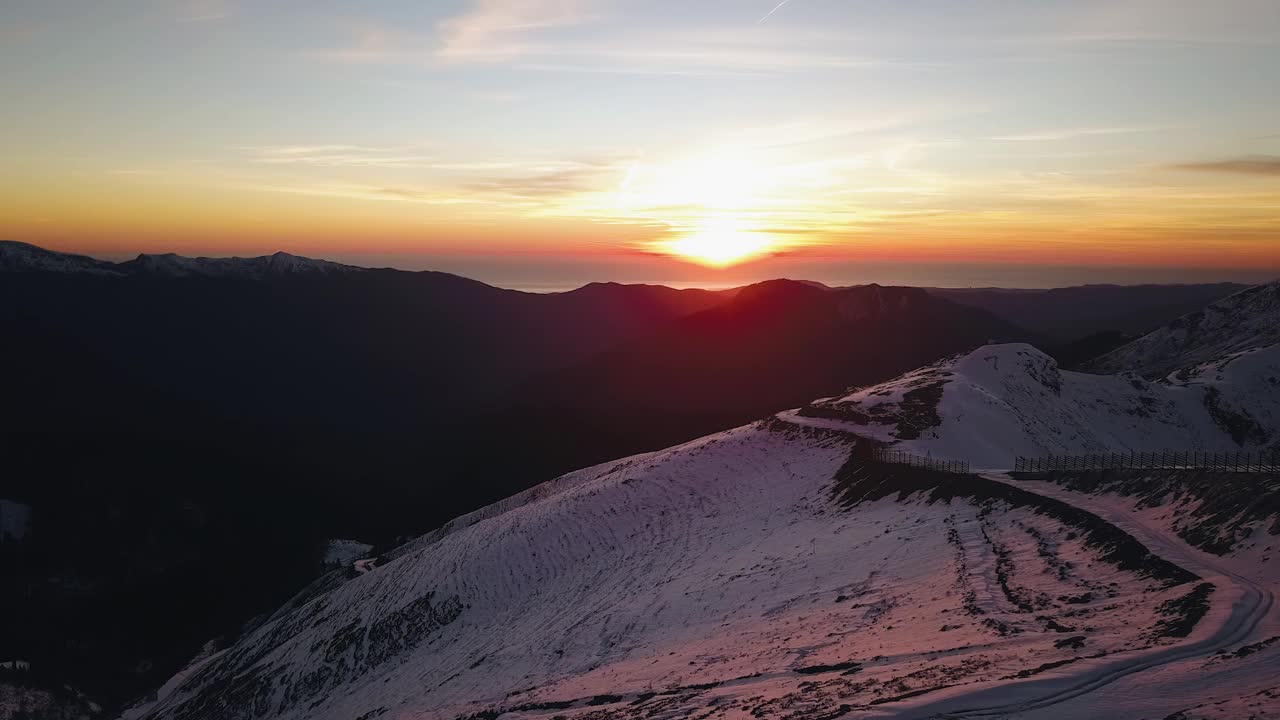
(545, 143)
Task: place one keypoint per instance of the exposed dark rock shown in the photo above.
(861, 479)
(1180, 615)
(1218, 507)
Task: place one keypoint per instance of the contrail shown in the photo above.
(775, 9)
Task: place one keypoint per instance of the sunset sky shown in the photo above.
(543, 143)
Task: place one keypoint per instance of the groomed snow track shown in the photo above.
(1250, 605)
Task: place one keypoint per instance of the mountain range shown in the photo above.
(783, 570)
(182, 411)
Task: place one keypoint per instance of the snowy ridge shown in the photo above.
(280, 263)
(21, 257)
(1246, 320)
(1001, 401)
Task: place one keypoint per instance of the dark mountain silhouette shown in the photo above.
(774, 344)
(377, 347)
(1069, 314)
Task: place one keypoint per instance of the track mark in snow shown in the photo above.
(1252, 604)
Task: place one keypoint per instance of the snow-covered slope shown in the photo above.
(764, 572)
(1246, 320)
(1001, 401)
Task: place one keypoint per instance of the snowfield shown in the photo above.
(730, 577)
(1002, 401)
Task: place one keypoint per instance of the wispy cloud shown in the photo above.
(553, 179)
(494, 30)
(426, 196)
(1268, 165)
(593, 69)
(1071, 134)
(397, 156)
(536, 35)
(199, 11)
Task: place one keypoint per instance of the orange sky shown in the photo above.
(583, 131)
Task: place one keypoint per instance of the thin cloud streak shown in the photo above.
(654, 72)
(625, 56)
(775, 9)
(201, 11)
(1056, 135)
(1267, 165)
(336, 155)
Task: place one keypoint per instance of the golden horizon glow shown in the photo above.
(591, 131)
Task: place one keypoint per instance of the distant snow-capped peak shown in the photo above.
(280, 263)
(23, 257)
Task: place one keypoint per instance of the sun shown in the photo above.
(709, 198)
(719, 242)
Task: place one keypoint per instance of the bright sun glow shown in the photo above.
(720, 242)
(707, 198)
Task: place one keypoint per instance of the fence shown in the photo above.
(960, 467)
(1265, 461)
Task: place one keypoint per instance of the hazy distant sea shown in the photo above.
(535, 278)
(546, 273)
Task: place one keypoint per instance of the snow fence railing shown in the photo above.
(1252, 462)
(897, 457)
